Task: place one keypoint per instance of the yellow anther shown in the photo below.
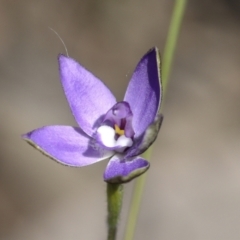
(118, 130)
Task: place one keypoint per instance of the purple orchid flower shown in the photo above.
(119, 131)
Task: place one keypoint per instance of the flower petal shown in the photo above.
(121, 170)
(87, 96)
(142, 143)
(144, 91)
(67, 145)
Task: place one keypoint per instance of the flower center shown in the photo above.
(116, 130)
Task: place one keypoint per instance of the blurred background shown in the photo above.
(193, 185)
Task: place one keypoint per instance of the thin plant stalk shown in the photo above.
(167, 61)
(114, 199)
(171, 41)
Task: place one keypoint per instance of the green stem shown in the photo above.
(172, 37)
(114, 199)
(169, 50)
